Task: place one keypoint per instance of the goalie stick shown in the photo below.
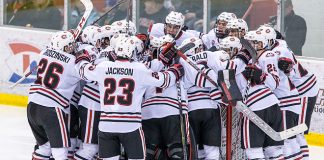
(88, 8)
(251, 115)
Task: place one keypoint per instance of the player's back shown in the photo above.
(56, 80)
(122, 85)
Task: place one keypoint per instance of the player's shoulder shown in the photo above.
(268, 55)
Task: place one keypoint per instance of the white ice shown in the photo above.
(17, 141)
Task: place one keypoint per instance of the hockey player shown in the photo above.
(124, 27)
(122, 84)
(204, 113)
(257, 95)
(213, 37)
(173, 25)
(160, 110)
(237, 28)
(287, 62)
(49, 97)
(89, 103)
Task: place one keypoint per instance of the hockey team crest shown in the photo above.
(26, 53)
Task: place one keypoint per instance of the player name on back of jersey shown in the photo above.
(57, 55)
(120, 71)
(198, 57)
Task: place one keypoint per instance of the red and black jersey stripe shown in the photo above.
(49, 93)
(91, 93)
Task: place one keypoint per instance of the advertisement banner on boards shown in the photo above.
(19, 49)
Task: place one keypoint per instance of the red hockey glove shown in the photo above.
(167, 53)
(82, 55)
(285, 64)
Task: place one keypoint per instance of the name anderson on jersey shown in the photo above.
(120, 71)
(57, 55)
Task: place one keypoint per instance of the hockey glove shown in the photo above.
(178, 70)
(82, 55)
(244, 55)
(253, 73)
(285, 64)
(166, 54)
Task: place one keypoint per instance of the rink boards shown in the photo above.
(19, 54)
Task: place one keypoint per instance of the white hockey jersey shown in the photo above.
(260, 96)
(158, 31)
(159, 102)
(210, 39)
(286, 91)
(56, 80)
(122, 85)
(203, 98)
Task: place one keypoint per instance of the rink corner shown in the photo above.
(13, 100)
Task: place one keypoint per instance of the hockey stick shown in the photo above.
(88, 8)
(116, 5)
(241, 107)
(182, 126)
(278, 136)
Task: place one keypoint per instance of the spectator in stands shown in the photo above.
(153, 12)
(46, 15)
(294, 28)
(18, 12)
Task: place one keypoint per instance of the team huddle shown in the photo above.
(115, 93)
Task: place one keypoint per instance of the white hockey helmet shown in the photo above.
(123, 27)
(269, 33)
(226, 16)
(139, 48)
(126, 48)
(199, 46)
(91, 34)
(175, 18)
(61, 39)
(166, 39)
(231, 45)
(255, 37)
(155, 42)
(242, 25)
(116, 38)
(107, 31)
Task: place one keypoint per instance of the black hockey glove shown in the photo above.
(167, 53)
(285, 64)
(244, 55)
(178, 70)
(253, 73)
(82, 55)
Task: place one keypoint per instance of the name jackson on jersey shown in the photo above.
(120, 71)
(56, 55)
